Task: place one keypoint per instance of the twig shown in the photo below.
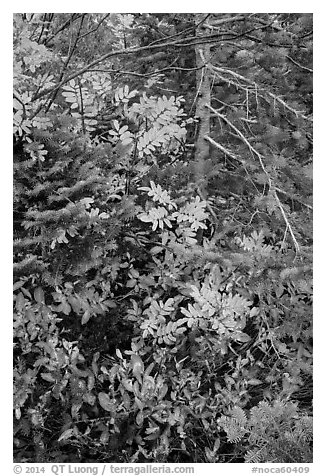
(95, 29)
(296, 199)
(214, 24)
(180, 44)
(296, 244)
(223, 149)
(260, 158)
(239, 133)
(64, 26)
(299, 65)
(55, 92)
(255, 86)
(143, 75)
(234, 157)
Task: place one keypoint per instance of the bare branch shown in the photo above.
(255, 87)
(127, 51)
(234, 157)
(270, 25)
(294, 198)
(223, 149)
(299, 65)
(95, 29)
(213, 25)
(144, 75)
(73, 18)
(242, 137)
(270, 182)
(296, 244)
(55, 92)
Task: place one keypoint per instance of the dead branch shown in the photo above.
(270, 182)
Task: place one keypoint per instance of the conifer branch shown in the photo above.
(255, 88)
(260, 158)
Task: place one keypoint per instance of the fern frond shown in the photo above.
(255, 455)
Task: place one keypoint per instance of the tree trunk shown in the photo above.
(203, 92)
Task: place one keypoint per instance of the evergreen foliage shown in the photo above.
(162, 299)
